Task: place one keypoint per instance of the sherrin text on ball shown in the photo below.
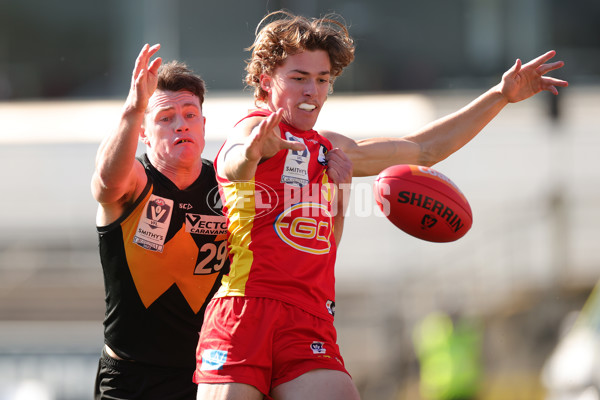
(423, 202)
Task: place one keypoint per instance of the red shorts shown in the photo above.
(263, 343)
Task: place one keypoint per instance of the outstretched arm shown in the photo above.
(117, 174)
(439, 139)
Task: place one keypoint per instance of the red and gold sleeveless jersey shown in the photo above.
(280, 227)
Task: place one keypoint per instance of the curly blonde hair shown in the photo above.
(290, 34)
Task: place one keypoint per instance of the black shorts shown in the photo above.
(128, 380)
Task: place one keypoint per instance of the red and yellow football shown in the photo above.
(423, 202)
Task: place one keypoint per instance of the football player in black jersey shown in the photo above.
(162, 235)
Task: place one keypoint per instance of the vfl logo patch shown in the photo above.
(318, 348)
(297, 155)
(213, 360)
(158, 210)
(151, 231)
(295, 169)
(428, 221)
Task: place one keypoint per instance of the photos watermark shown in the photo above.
(259, 200)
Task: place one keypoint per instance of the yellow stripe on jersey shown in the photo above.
(241, 205)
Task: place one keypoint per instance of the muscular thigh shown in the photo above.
(228, 391)
(319, 384)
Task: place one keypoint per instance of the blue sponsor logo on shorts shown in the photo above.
(213, 359)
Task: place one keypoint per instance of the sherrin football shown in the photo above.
(423, 202)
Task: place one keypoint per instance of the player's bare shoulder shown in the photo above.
(338, 140)
(236, 139)
(246, 126)
(114, 201)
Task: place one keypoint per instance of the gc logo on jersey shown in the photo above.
(303, 227)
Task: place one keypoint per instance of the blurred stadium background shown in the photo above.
(532, 178)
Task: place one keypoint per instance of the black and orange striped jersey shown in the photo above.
(162, 262)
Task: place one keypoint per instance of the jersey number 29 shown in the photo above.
(213, 260)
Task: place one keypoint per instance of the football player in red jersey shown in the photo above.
(280, 295)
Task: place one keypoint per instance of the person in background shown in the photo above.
(448, 347)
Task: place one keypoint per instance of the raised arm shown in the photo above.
(439, 139)
(117, 175)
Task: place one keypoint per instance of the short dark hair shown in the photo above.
(176, 76)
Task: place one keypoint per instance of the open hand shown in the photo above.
(523, 81)
(144, 78)
(265, 140)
